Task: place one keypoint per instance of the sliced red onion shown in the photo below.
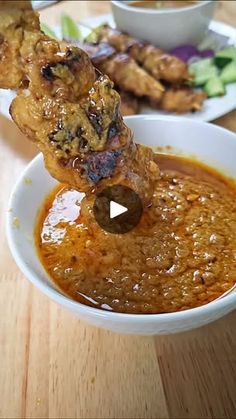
(190, 54)
(207, 53)
(185, 52)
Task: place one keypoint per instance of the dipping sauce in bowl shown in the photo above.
(181, 255)
(165, 24)
(164, 4)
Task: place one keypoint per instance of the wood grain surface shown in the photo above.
(54, 366)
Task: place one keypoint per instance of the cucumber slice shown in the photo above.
(200, 66)
(214, 87)
(70, 29)
(228, 74)
(202, 71)
(93, 36)
(48, 31)
(225, 56)
(202, 77)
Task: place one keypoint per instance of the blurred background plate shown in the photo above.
(38, 4)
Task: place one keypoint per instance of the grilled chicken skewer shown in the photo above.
(128, 76)
(160, 65)
(182, 100)
(123, 71)
(72, 113)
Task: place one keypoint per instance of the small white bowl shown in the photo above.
(165, 28)
(209, 143)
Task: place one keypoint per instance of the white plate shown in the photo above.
(212, 109)
(41, 4)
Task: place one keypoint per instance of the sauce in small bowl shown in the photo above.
(181, 254)
(164, 4)
(205, 142)
(165, 24)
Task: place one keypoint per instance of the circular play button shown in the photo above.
(117, 209)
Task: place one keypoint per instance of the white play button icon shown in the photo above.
(116, 209)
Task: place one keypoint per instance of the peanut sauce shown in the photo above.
(181, 255)
(164, 4)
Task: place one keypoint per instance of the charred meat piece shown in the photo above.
(64, 75)
(69, 111)
(68, 132)
(26, 53)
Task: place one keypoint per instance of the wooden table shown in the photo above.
(54, 366)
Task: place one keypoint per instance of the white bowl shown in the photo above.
(209, 143)
(165, 28)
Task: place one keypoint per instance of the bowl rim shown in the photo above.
(80, 308)
(126, 7)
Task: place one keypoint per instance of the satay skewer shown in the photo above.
(128, 76)
(161, 65)
(70, 111)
